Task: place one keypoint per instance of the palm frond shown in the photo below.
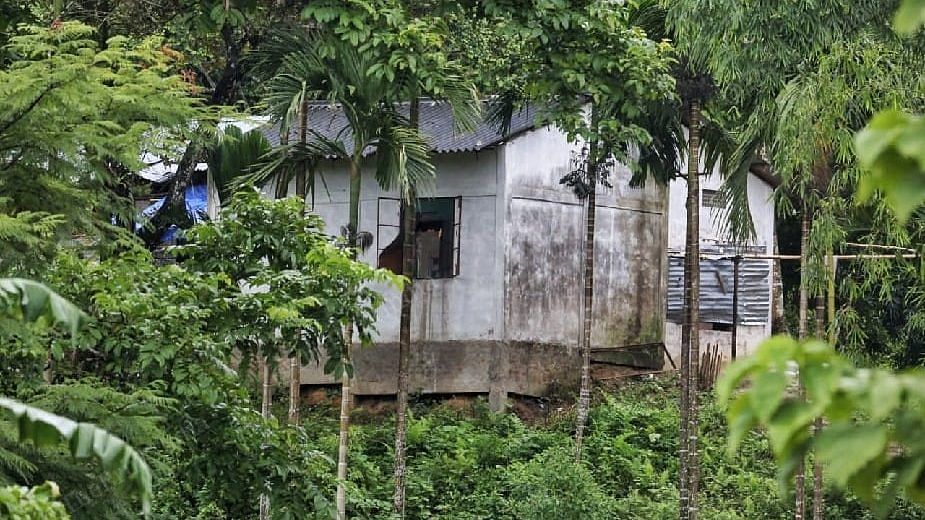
(403, 161)
(501, 109)
(463, 98)
(661, 158)
(282, 163)
(649, 15)
(266, 59)
(235, 154)
(733, 155)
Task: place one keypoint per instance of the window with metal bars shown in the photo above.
(436, 236)
(711, 199)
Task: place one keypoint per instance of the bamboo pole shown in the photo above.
(750, 256)
(800, 499)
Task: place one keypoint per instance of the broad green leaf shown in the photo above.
(84, 440)
(731, 377)
(891, 149)
(885, 395)
(789, 427)
(768, 390)
(845, 448)
(35, 300)
(741, 419)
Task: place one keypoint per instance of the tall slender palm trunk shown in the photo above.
(404, 339)
(584, 391)
(800, 479)
(295, 364)
(690, 335)
(265, 402)
(345, 398)
(818, 496)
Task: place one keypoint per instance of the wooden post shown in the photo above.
(735, 304)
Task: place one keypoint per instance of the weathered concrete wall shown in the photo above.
(711, 229)
(465, 307)
(509, 321)
(448, 367)
(545, 232)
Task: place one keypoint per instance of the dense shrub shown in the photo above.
(37, 503)
(473, 464)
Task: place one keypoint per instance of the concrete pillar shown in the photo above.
(498, 372)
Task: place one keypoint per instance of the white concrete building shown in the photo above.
(498, 292)
(755, 275)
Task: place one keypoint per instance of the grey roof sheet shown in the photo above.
(436, 121)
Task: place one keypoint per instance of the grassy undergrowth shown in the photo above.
(465, 462)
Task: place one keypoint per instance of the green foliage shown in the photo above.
(84, 440)
(291, 288)
(552, 486)
(873, 414)
(37, 503)
(31, 301)
(910, 16)
(305, 67)
(233, 154)
(406, 49)
(149, 324)
(468, 463)
(76, 118)
(232, 454)
(588, 53)
(891, 148)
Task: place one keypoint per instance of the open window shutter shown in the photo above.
(388, 223)
(457, 220)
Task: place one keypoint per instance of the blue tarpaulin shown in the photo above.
(196, 196)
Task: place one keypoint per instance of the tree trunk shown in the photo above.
(692, 314)
(342, 445)
(818, 497)
(821, 307)
(800, 478)
(295, 363)
(265, 402)
(778, 318)
(404, 339)
(584, 392)
(352, 230)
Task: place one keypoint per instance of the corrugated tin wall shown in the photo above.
(716, 290)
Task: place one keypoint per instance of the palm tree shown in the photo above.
(339, 74)
(462, 98)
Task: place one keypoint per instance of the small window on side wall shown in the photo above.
(436, 238)
(711, 199)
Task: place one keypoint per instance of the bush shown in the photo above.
(37, 503)
(551, 486)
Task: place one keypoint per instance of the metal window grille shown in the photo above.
(711, 199)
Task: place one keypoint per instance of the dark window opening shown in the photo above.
(717, 326)
(436, 238)
(711, 199)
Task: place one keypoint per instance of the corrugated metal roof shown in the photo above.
(436, 120)
(716, 290)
